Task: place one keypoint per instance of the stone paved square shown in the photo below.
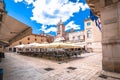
(19, 67)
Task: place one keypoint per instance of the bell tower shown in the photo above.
(60, 29)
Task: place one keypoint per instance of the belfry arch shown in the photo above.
(109, 13)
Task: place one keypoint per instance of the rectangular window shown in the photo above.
(41, 40)
(35, 39)
(89, 43)
(28, 38)
(20, 43)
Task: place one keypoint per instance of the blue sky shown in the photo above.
(43, 15)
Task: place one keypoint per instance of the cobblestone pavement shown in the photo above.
(86, 67)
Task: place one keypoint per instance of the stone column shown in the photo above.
(110, 17)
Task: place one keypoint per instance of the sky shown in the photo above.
(43, 15)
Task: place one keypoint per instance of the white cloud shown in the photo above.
(72, 25)
(48, 30)
(16, 1)
(49, 12)
(29, 1)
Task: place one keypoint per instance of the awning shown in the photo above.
(12, 30)
(3, 43)
(20, 46)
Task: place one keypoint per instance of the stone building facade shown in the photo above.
(109, 11)
(38, 38)
(50, 38)
(76, 36)
(11, 30)
(90, 36)
(30, 39)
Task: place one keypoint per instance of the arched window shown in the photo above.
(89, 34)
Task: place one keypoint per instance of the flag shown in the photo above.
(98, 24)
(93, 17)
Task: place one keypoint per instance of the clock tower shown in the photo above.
(60, 29)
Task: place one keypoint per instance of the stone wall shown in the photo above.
(111, 37)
